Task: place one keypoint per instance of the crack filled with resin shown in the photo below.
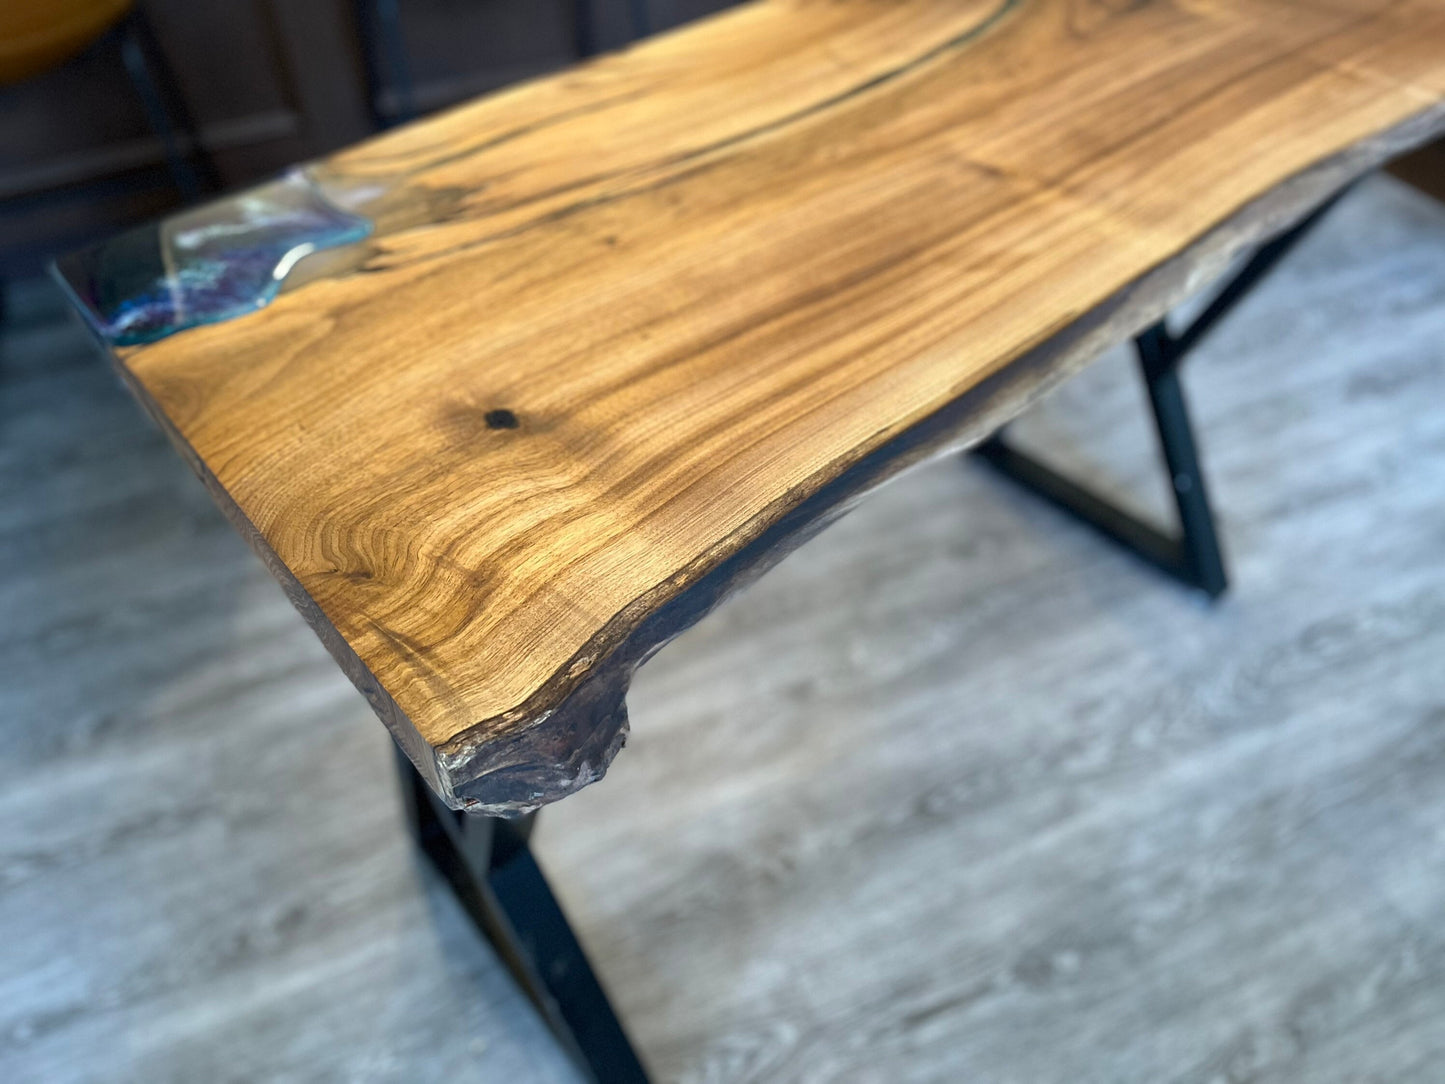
(206, 264)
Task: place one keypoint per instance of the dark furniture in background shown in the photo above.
(269, 83)
(41, 36)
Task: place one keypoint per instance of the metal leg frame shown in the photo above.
(585, 24)
(490, 868)
(388, 70)
(1191, 556)
(384, 59)
(145, 62)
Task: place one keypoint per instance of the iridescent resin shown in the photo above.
(204, 265)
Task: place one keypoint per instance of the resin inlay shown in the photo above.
(207, 264)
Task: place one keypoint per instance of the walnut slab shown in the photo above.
(621, 337)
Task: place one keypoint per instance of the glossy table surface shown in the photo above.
(510, 396)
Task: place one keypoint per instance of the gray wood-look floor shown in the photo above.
(956, 793)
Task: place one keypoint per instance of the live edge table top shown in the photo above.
(545, 376)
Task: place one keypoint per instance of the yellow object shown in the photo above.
(38, 34)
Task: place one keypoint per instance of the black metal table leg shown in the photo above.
(490, 868)
(1197, 559)
(584, 28)
(641, 16)
(388, 69)
(385, 63)
(1193, 555)
(145, 62)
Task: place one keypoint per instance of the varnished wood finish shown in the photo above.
(991, 804)
(725, 282)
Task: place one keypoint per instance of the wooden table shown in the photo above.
(509, 397)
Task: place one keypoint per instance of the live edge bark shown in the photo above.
(567, 734)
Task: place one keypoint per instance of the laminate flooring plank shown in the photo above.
(1022, 810)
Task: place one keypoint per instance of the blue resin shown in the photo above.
(205, 265)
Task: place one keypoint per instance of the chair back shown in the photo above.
(36, 35)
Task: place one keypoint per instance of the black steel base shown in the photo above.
(490, 868)
(155, 84)
(1192, 555)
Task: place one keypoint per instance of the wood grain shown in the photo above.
(723, 283)
(1020, 810)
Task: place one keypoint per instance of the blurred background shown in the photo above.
(958, 792)
(95, 93)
